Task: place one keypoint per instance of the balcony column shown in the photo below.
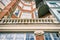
(39, 35)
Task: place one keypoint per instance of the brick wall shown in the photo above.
(39, 37)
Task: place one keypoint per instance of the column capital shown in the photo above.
(39, 32)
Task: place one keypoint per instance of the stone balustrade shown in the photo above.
(18, 20)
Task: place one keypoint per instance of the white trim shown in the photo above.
(44, 37)
(34, 37)
(24, 36)
(14, 36)
(51, 36)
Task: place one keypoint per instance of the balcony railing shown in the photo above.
(18, 20)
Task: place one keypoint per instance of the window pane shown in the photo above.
(54, 34)
(17, 11)
(9, 36)
(8, 39)
(16, 36)
(20, 39)
(29, 36)
(20, 35)
(47, 36)
(2, 35)
(58, 11)
(51, 36)
(55, 38)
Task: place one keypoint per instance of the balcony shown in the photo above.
(23, 21)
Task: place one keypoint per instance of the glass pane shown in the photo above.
(8, 39)
(1, 39)
(50, 38)
(20, 35)
(29, 36)
(59, 38)
(17, 12)
(58, 11)
(20, 39)
(9, 35)
(47, 36)
(55, 38)
(6, 2)
(12, 36)
(52, 3)
(54, 34)
(2, 35)
(16, 36)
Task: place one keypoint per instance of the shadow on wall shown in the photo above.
(43, 10)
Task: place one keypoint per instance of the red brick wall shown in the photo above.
(39, 37)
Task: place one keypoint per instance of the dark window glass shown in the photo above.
(55, 38)
(17, 12)
(58, 11)
(52, 3)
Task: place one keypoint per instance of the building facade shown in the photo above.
(29, 20)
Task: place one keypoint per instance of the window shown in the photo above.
(26, 15)
(20, 4)
(51, 36)
(58, 3)
(6, 2)
(54, 4)
(58, 11)
(17, 12)
(27, 8)
(36, 13)
(47, 36)
(20, 36)
(5, 36)
(29, 36)
(54, 36)
(16, 36)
